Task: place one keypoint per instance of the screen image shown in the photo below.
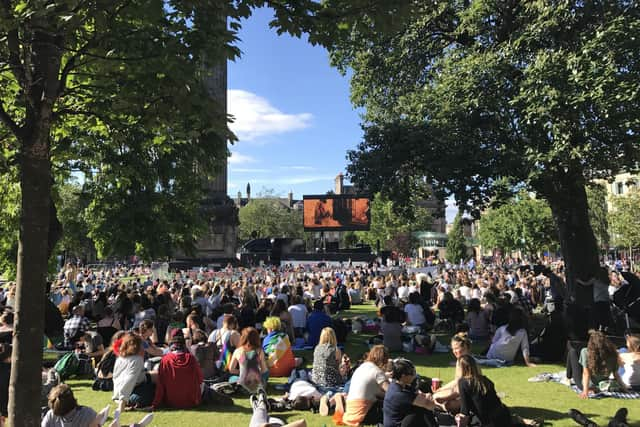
(336, 212)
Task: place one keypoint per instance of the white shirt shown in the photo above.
(415, 314)
(298, 314)
(403, 292)
(504, 345)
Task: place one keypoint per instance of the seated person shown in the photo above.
(317, 321)
(478, 320)
(93, 344)
(75, 326)
(631, 362)
(366, 391)
(326, 360)
(128, 372)
(404, 405)
(391, 325)
(448, 395)
(179, 380)
(415, 311)
(248, 365)
(599, 360)
(277, 348)
(451, 309)
(205, 352)
(509, 338)
(65, 411)
(478, 396)
(5, 374)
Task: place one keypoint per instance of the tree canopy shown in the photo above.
(120, 91)
(392, 229)
(465, 93)
(625, 220)
(456, 243)
(522, 224)
(267, 216)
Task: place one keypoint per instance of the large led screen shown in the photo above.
(336, 213)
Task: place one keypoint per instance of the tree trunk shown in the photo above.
(26, 379)
(568, 200)
(41, 91)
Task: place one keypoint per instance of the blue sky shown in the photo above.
(294, 119)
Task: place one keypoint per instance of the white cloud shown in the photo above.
(255, 117)
(240, 159)
(298, 168)
(250, 170)
(295, 180)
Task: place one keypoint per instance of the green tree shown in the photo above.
(625, 220)
(95, 85)
(523, 223)
(267, 216)
(598, 213)
(456, 243)
(464, 93)
(392, 227)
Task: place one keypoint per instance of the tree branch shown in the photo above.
(9, 122)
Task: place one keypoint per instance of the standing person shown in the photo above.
(248, 365)
(404, 406)
(478, 396)
(368, 385)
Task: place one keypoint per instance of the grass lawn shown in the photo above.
(549, 401)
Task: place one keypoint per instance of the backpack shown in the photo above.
(106, 364)
(67, 365)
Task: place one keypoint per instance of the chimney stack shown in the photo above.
(290, 199)
(339, 183)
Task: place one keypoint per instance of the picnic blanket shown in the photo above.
(561, 378)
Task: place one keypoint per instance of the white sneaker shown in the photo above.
(146, 420)
(103, 415)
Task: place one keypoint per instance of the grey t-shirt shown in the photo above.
(82, 416)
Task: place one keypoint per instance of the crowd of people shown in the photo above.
(199, 336)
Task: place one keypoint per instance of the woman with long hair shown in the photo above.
(326, 360)
(248, 365)
(511, 337)
(599, 360)
(478, 396)
(448, 396)
(366, 392)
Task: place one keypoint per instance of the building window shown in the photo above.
(620, 188)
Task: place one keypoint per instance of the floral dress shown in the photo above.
(326, 372)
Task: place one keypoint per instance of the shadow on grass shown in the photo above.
(543, 413)
(217, 407)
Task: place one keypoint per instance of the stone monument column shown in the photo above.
(220, 240)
